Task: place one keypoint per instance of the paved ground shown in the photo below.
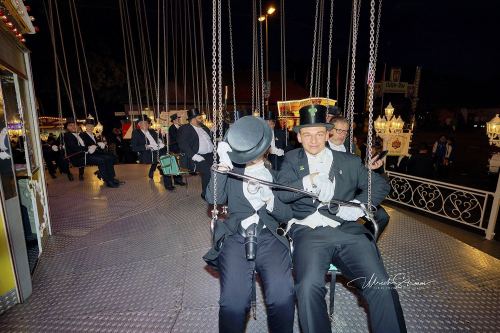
(129, 260)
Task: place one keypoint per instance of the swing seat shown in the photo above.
(170, 166)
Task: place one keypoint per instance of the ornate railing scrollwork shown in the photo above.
(457, 203)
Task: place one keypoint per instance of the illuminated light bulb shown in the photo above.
(23, 40)
(9, 24)
(32, 18)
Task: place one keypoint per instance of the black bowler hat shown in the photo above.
(173, 117)
(192, 113)
(90, 121)
(334, 110)
(249, 138)
(143, 117)
(312, 116)
(69, 121)
(270, 116)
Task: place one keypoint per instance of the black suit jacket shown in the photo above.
(138, 145)
(351, 182)
(188, 141)
(172, 139)
(230, 190)
(73, 149)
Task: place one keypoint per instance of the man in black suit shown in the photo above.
(172, 134)
(90, 139)
(195, 143)
(149, 146)
(278, 143)
(80, 155)
(322, 235)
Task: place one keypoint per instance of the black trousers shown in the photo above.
(204, 168)
(273, 264)
(105, 162)
(275, 161)
(167, 180)
(358, 259)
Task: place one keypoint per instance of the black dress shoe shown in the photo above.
(180, 183)
(117, 181)
(70, 177)
(170, 188)
(112, 184)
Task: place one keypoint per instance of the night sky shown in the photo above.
(455, 42)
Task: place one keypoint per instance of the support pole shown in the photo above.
(490, 231)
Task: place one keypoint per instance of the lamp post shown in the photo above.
(270, 11)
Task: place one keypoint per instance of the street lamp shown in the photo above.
(390, 124)
(493, 131)
(270, 11)
(389, 111)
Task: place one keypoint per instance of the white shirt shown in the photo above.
(80, 141)
(150, 138)
(320, 163)
(258, 171)
(205, 143)
(335, 147)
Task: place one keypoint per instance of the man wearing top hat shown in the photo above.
(172, 134)
(195, 142)
(255, 211)
(322, 236)
(278, 142)
(89, 139)
(149, 147)
(80, 155)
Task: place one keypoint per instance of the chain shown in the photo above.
(214, 96)
(371, 85)
(219, 35)
(232, 58)
(330, 38)
(261, 64)
(350, 104)
(320, 47)
(314, 49)
(378, 29)
(254, 20)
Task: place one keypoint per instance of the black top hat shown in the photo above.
(89, 121)
(334, 110)
(249, 137)
(270, 116)
(143, 117)
(191, 113)
(312, 116)
(69, 121)
(173, 117)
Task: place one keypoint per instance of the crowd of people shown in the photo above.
(325, 164)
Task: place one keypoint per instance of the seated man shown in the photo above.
(253, 211)
(90, 140)
(80, 155)
(321, 237)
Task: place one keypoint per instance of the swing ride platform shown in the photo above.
(129, 260)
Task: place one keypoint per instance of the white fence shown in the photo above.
(458, 203)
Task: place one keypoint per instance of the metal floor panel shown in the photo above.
(129, 260)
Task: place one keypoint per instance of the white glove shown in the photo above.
(222, 149)
(350, 213)
(277, 151)
(92, 149)
(55, 148)
(4, 155)
(266, 194)
(325, 187)
(162, 145)
(152, 147)
(198, 158)
(101, 145)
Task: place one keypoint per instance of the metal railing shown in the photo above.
(454, 202)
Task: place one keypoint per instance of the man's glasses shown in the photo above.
(340, 131)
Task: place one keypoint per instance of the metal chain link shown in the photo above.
(330, 38)
(378, 29)
(254, 22)
(320, 48)
(261, 65)
(350, 105)
(219, 74)
(232, 58)
(314, 49)
(371, 86)
(214, 99)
